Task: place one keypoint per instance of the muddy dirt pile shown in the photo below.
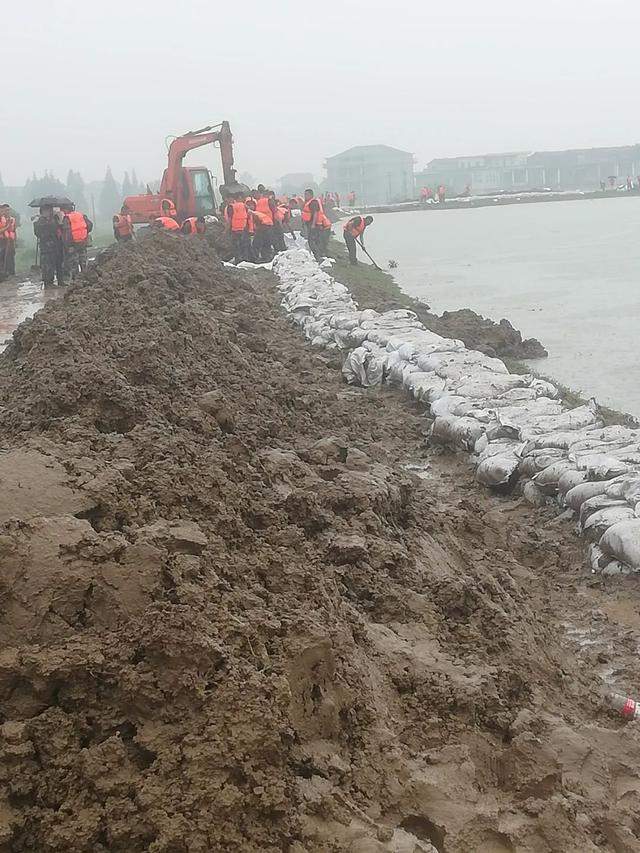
(233, 618)
(477, 332)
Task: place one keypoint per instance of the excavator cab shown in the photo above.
(195, 194)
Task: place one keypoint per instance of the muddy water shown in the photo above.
(566, 273)
(18, 302)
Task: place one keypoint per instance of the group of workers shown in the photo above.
(63, 238)
(257, 223)
(428, 195)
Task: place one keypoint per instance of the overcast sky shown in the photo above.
(94, 83)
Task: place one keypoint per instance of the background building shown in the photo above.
(378, 174)
(574, 169)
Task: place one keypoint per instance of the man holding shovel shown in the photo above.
(353, 230)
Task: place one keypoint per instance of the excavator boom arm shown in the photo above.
(196, 139)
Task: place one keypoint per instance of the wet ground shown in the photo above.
(20, 298)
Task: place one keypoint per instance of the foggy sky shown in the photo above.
(94, 83)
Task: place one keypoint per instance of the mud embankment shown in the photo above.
(373, 288)
(234, 619)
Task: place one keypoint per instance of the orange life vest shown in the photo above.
(168, 208)
(10, 231)
(321, 219)
(239, 216)
(265, 220)
(262, 206)
(123, 224)
(192, 226)
(78, 226)
(284, 214)
(168, 223)
(353, 229)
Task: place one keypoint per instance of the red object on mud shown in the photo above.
(188, 187)
(628, 708)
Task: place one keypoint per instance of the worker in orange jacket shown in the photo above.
(353, 230)
(264, 216)
(164, 223)
(8, 235)
(316, 224)
(236, 216)
(194, 225)
(123, 227)
(75, 227)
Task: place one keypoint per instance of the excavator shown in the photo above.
(188, 189)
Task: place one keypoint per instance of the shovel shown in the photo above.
(359, 242)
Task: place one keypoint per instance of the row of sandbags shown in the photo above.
(515, 427)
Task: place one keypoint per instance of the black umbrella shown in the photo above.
(50, 201)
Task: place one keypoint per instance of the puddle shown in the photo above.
(20, 301)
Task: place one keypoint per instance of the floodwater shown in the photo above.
(18, 302)
(567, 273)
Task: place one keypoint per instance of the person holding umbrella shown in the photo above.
(47, 227)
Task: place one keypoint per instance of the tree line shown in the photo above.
(102, 197)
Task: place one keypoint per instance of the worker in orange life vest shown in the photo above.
(164, 223)
(76, 228)
(8, 227)
(317, 225)
(236, 215)
(194, 225)
(277, 238)
(354, 230)
(264, 217)
(122, 227)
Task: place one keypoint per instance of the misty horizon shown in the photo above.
(97, 88)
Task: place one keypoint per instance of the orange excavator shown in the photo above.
(187, 189)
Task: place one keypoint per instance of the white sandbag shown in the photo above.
(488, 386)
(421, 384)
(484, 449)
(538, 460)
(625, 488)
(560, 439)
(622, 542)
(363, 367)
(576, 496)
(445, 405)
(547, 479)
(596, 504)
(599, 466)
(574, 419)
(599, 522)
(498, 470)
(456, 432)
(569, 479)
(544, 388)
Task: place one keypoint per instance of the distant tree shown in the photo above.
(1, 183)
(136, 186)
(48, 184)
(110, 199)
(75, 190)
(127, 187)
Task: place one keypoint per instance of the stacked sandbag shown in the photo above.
(515, 427)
